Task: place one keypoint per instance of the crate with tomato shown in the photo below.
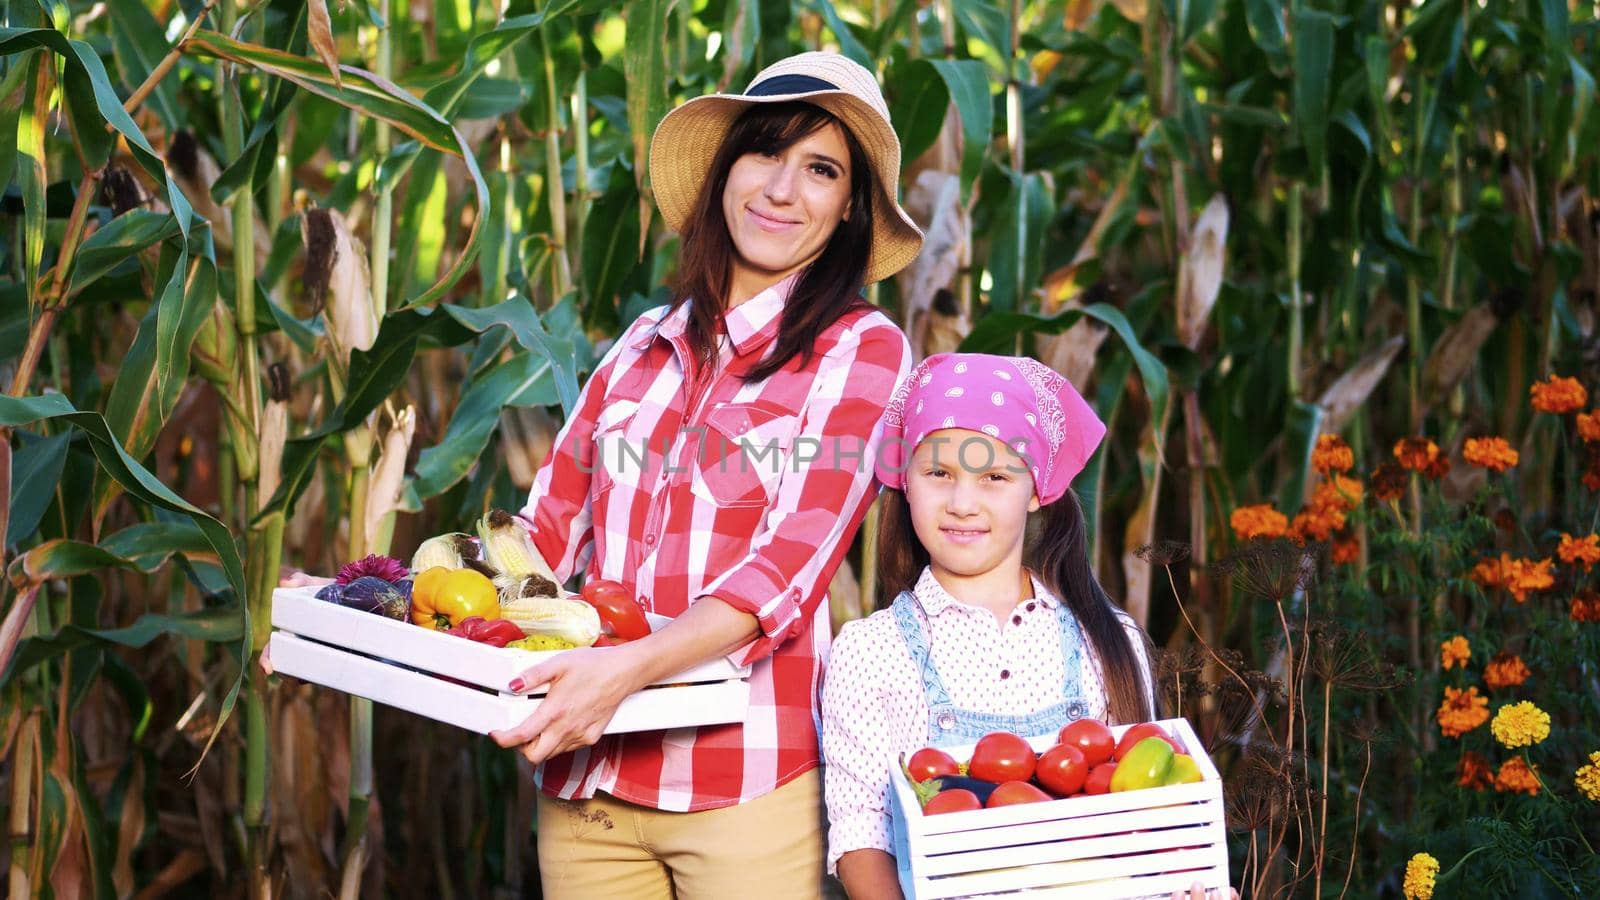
(1102, 812)
(445, 636)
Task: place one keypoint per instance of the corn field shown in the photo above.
(283, 284)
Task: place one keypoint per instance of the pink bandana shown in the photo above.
(1020, 401)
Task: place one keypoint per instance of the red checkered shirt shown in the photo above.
(685, 488)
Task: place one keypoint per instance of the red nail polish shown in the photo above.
(516, 685)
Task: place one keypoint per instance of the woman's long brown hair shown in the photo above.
(1059, 555)
(826, 290)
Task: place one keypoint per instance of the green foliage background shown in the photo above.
(1413, 238)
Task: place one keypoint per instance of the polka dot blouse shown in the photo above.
(874, 709)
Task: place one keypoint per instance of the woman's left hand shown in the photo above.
(585, 686)
(1199, 892)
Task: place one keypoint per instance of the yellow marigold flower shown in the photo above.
(1454, 652)
(1462, 711)
(1491, 453)
(1505, 670)
(1588, 778)
(1520, 725)
(1527, 576)
(1558, 395)
(1332, 454)
(1416, 453)
(1516, 776)
(1421, 870)
(1579, 550)
(1589, 425)
(1260, 520)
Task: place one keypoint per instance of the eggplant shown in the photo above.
(979, 788)
(372, 594)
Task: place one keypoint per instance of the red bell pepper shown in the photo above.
(496, 633)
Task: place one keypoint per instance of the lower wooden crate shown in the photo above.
(1105, 847)
(457, 681)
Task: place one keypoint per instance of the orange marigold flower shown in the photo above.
(1332, 454)
(1462, 711)
(1415, 453)
(1439, 468)
(1472, 772)
(1589, 425)
(1586, 606)
(1345, 550)
(1316, 523)
(1558, 395)
(1579, 550)
(1491, 453)
(1505, 670)
(1517, 777)
(1260, 520)
(1388, 482)
(1519, 576)
(1336, 492)
(1456, 651)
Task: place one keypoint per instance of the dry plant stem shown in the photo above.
(580, 158)
(1296, 317)
(137, 98)
(556, 191)
(15, 621)
(1261, 713)
(22, 787)
(1355, 830)
(1322, 828)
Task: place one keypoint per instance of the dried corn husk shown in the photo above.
(388, 476)
(1345, 396)
(274, 431)
(527, 434)
(337, 280)
(319, 33)
(934, 201)
(1457, 350)
(1200, 275)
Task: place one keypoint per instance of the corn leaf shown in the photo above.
(123, 238)
(366, 93)
(968, 83)
(1313, 65)
(31, 172)
(849, 45)
(137, 38)
(1016, 249)
(644, 62)
(523, 380)
(218, 624)
(996, 333)
(610, 254)
(920, 102)
(35, 470)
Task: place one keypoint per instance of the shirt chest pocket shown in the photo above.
(744, 453)
(620, 454)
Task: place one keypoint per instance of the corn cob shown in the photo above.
(508, 548)
(512, 588)
(554, 617)
(447, 550)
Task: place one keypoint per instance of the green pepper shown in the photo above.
(1145, 766)
(1184, 770)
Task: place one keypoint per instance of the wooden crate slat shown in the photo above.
(1057, 849)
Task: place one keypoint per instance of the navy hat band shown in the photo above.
(789, 84)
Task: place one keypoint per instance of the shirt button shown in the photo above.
(1016, 620)
(1004, 674)
(1030, 606)
(650, 539)
(946, 721)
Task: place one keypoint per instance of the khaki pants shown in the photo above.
(770, 848)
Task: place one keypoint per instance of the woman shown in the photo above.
(718, 464)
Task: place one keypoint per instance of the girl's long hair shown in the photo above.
(1059, 555)
(824, 292)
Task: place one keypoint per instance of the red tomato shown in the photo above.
(1099, 780)
(1013, 792)
(1092, 737)
(619, 612)
(957, 800)
(1062, 770)
(1138, 733)
(1002, 756)
(929, 763)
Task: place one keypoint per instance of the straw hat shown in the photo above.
(687, 140)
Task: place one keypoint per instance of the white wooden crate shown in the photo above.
(406, 666)
(1104, 847)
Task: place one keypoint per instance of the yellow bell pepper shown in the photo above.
(441, 598)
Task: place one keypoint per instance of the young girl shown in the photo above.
(973, 641)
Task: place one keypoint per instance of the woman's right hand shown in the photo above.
(289, 577)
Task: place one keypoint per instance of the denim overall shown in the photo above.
(950, 724)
